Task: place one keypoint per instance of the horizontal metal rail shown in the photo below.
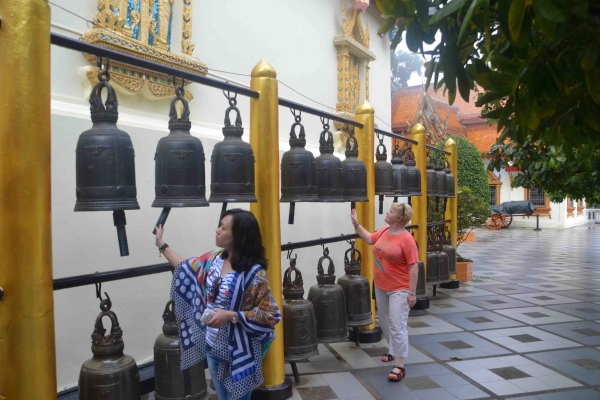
(317, 112)
(435, 223)
(317, 242)
(430, 147)
(99, 277)
(395, 136)
(113, 55)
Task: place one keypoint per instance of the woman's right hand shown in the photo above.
(353, 217)
(159, 234)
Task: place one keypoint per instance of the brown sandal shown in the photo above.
(396, 376)
(387, 358)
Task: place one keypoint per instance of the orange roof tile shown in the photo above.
(483, 136)
(405, 104)
(467, 110)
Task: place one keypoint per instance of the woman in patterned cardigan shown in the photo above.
(231, 285)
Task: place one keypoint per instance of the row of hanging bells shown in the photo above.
(440, 181)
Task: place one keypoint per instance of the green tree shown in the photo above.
(538, 62)
(403, 65)
(472, 213)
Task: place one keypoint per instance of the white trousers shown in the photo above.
(392, 309)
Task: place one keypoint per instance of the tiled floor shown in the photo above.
(527, 327)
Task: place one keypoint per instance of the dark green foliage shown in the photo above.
(471, 171)
(472, 213)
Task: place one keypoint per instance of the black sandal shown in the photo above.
(387, 358)
(396, 376)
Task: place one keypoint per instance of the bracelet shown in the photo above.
(162, 248)
(411, 294)
(356, 226)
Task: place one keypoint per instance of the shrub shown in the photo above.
(472, 213)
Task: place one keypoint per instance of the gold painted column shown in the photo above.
(27, 348)
(264, 138)
(452, 204)
(366, 211)
(419, 203)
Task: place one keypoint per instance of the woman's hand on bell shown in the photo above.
(353, 217)
(159, 235)
(220, 318)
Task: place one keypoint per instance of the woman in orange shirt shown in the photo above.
(395, 277)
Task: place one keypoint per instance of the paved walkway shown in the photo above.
(527, 327)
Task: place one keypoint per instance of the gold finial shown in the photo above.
(365, 108)
(264, 70)
(418, 128)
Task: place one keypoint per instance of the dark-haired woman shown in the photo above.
(231, 283)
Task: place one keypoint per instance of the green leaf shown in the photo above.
(423, 14)
(590, 56)
(450, 78)
(467, 19)
(413, 37)
(386, 6)
(503, 63)
(494, 114)
(502, 82)
(489, 97)
(487, 29)
(592, 81)
(516, 14)
(448, 9)
(464, 88)
(387, 25)
(550, 11)
(397, 38)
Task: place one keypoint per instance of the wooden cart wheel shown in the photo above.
(495, 221)
(507, 220)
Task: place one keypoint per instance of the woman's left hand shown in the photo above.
(411, 300)
(220, 318)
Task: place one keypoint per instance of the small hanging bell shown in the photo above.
(300, 323)
(431, 180)
(330, 185)
(450, 251)
(232, 163)
(433, 268)
(329, 304)
(421, 284)
(441, 181)
(414, 174)
(357, 290)
(105, 164)
(170, 382)
(383, 175)
(354, 172)
(442, 260)
(400, 173)
(179, 164)
(109, 374)
(449, 180)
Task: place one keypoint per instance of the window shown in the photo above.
(493, 189)
(537, 197)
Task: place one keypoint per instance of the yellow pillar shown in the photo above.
(264, 138)
(27, 348)
(419, 203)
(452, 205)
(366, 211)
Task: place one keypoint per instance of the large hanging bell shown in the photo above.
(232, 164)
(441, 182)
(450, 251)
(442, 260)
(431, 180)
(400, 173)
(383, 173)
(330, 186)
(357, 290)
(421, 284)
(105, 167)
(354, 172)
(433, 268)
(109, 374)
(414, 174)
(298, 173)
(170, 382)
(329, 303)
(449, 180)
(300, 323)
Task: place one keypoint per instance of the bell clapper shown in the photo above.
(292, 212)
(120, 222)
(162, 219)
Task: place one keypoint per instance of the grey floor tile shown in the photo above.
(466, 392)
(435, 394)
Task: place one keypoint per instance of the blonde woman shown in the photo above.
(395, 276)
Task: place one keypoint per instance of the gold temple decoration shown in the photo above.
(353, 54)
(142, 28)
(428, 116)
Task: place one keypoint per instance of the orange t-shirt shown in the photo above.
(393, 256)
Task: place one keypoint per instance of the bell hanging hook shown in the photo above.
(232, 99)
(297, 117)
(325, 123)
(105, 304)
(103, 74)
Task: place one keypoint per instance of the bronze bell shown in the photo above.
(298, 173)
(400, 173)
(329, 170)
(105, 167)
(170, 382)
(383, 175)
(300, 323)
(109, 374)
(433, 268)
(357, 290)
(421, 284)
(442, 259)
(354, 172)
(441, 182)
(414, 174)
(431, 180)
(449, 180)
(329, 303)
(232, 164)
(450, 251)
(179, 164)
